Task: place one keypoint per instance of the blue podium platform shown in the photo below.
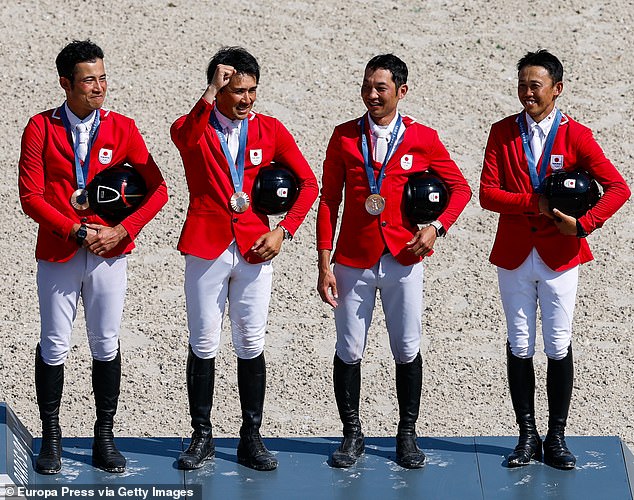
(456, 468)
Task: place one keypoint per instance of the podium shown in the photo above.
(456, 468)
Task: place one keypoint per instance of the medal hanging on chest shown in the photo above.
(537, 177)
(375, 203)
(79, 198)
(239, 201)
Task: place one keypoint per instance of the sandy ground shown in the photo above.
(461, 57)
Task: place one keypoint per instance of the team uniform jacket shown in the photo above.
(505, 187)
(211, 225)
(364, 237)
(47, 180)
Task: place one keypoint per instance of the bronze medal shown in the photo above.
(375, 204)
(239, 202)
(79, 199)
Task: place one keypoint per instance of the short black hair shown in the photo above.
(392, 63)
(546, 60)
(238, 57)
(76, 52)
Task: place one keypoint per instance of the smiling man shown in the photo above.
(538, 251)
(370, 159)
(79, 254)
(228, 245)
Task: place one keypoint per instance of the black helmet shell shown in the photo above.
(573, 193)
(275, 190)
(425, 198)
(116, 192)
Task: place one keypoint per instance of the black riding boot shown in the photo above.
(559, 387)
(200, 390)
(106, 382)
(49, 383)
(521, 377)
(347, 383)
(252, 386)
(409, 383)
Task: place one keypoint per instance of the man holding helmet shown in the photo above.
(538, 250)
(228, 245)
(79, 253)
(379, 248)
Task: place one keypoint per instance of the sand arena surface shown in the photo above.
(461, 57)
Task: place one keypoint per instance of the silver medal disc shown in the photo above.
(375, 204)
(79, 199)
(239, 202)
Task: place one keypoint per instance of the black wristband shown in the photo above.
(81, 234)
(581, 233)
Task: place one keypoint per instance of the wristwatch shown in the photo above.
(287, 235)
(81, 234)
(581, 232)
(440, 229)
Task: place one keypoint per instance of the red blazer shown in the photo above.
(363, 237)
(47, 179)
(505, 187)
(211, 225)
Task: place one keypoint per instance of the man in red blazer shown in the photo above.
(79, 253)
(228, 245)
(379, 248)
(537, 250)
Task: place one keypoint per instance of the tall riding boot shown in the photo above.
(559, 387)
(106, 382)
(200, 390)
(347, 383)
(521, 377)
(252, 386)
(49, 384)
(409, 383)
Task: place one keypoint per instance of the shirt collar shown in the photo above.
(73, 120)
(390, 126)
(225, 122)
(545, 125)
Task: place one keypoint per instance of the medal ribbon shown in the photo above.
(375, 184)
(237, 171)
(81, 171)
(537, 179)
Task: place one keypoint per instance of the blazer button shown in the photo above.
(235, 219)
(533, 229)
(384, 223)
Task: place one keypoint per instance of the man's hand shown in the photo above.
(221, 78)
(269, 244)
(423, 241)
(565, 223)
(102, 239)
(326, 283)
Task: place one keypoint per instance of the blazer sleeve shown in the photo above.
(139, 157)
(494, 195)
(287, 153)
(186, 132)
(459, 190)
(32, 179)
(333, 179)
(615, 190)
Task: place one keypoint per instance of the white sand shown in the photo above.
(461, 57)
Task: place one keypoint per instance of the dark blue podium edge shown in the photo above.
(17, 445)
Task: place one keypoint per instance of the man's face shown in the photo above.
(537, 92)
(236, 99)
(87, 91)
(380, 95)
